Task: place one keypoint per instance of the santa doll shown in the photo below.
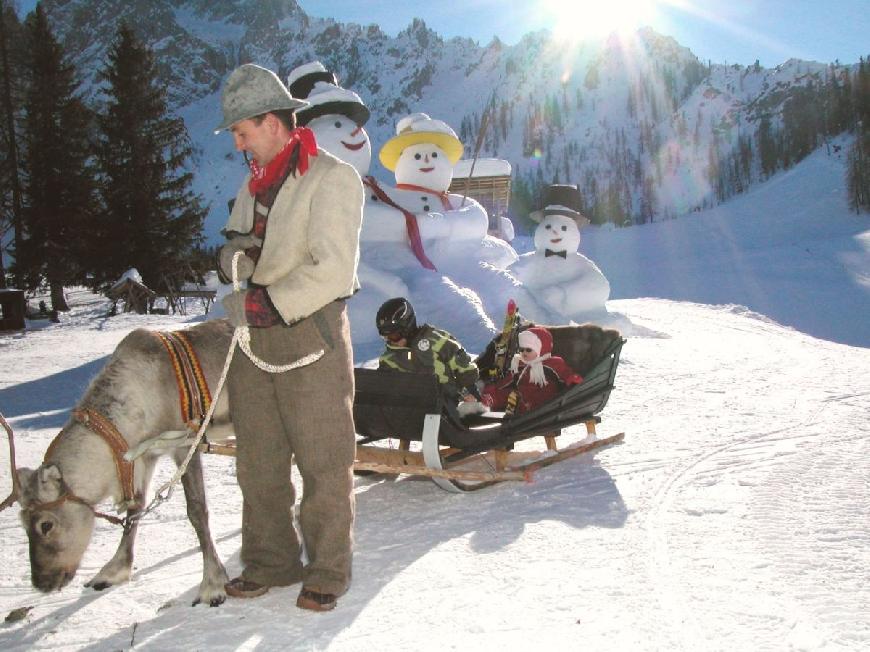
(536, 375)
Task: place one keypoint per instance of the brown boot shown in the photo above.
(316, 601)
(239, 587)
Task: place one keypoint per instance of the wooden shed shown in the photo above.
(136, 296)
(489, 183)
(12, 308)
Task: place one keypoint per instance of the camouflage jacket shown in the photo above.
(434, 351)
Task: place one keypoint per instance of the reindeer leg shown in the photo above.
(117, 571)
(214, 576)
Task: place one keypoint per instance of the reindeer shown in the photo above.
(133, 399)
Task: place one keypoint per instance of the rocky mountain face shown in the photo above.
(640, 124)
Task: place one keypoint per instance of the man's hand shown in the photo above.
(234, 306)
(244, 242)
(245, 264)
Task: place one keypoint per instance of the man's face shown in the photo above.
(262, 141)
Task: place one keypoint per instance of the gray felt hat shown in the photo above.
(252, 90)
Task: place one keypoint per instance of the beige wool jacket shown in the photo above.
(311, 249)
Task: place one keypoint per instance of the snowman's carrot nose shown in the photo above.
(356, 131)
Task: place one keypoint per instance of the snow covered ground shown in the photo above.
(733, 517)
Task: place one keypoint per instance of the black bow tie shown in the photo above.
(550, 252)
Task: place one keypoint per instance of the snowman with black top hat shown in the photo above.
(566, 284)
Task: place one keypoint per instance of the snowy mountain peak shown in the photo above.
(638, 122)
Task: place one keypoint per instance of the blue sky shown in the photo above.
(732, 31)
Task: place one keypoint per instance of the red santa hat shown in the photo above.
(541, 342)
(536, 338)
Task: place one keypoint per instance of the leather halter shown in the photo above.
(102, 426)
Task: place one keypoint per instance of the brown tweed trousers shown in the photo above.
(294, 414)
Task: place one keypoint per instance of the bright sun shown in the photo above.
(582, 19)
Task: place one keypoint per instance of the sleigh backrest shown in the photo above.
(394, 403)
(582, 347)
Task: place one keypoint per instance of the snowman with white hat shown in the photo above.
(566, 284)
(336, 115)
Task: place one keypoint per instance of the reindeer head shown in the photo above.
(58, 530)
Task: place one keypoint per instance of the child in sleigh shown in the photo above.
(536, 375)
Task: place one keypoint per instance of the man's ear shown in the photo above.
(273, 122)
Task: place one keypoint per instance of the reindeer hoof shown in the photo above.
(98, 586)
(216, 601)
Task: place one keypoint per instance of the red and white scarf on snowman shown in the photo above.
(443, 195)
(411, 226)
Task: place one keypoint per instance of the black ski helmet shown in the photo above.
(397, 316)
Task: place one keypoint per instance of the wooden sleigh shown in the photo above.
(404, 425)
(464, 454)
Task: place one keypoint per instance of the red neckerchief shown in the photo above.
(445, 198)
(301, 139)
(411, 225)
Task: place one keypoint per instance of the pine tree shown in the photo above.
(766, 147)
(858, 164)
(858, 174)
(58, 192)
(862, 93)
(142, 151)
(11, 47)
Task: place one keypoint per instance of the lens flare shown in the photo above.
(586, 19)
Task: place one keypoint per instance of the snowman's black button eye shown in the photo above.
(546, 226)
(417, 156)
(426, 207)
(338, 124)
(564, 228)
(434, 154)
(374, 198)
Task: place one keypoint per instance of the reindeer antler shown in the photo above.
(16, 490)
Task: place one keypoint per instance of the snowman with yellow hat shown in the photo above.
(438, 225)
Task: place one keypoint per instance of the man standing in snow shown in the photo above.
(300, 271)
